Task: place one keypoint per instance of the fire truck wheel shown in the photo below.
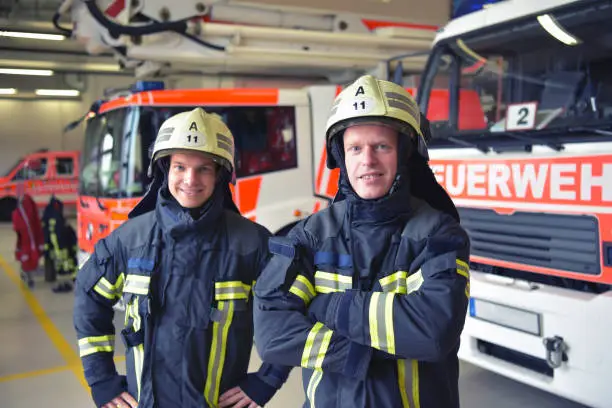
(7, 205)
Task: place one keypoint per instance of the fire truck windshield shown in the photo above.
(101, 170)
(117, 144)
(530, 82)
(264, 139)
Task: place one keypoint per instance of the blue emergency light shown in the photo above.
(143, 86)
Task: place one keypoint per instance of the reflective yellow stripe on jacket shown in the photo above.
(226, 295)
(313, 355)
(216, 360)
(463, 269)
(408, 381)
(326, 282)
(108, 290)
(303, 289)
(96, 344)
(233, 290)
(402, 283)
(382, 336)
(132, 311)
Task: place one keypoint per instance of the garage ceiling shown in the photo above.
(71, 56)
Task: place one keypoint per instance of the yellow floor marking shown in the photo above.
(59, 341)
(45, 371)
(35, 373)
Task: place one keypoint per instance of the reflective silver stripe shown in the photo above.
(382, 335)
(303, 289)
(137, 284)
(216, 359)
(139, 349)
(408, 379)
(313, 383)
(232, 290)
(406, 103)
(394, 283)
(316, 346)
(96, 344)
(402, 283)
(326, 282)
(414, 282)
(138, 363)
(225, 146)
(105, 289)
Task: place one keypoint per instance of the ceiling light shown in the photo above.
(32, 36)
(8, 91)
(551, 25)
(39, 72)
(57, 92)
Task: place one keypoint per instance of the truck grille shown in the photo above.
(562, 242)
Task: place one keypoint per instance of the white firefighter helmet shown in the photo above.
(369, 100)
(195, 130)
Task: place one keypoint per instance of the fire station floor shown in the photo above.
(39, 364)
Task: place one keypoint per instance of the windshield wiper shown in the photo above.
(532, 140)
(484, 149)
(584, 129)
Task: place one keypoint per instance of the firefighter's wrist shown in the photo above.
(358, 360)
(104, 391)
(257, 389)
(341, 313)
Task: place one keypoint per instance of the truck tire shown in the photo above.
(7, 205)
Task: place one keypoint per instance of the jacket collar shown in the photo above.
(394, 206)
(177, 221)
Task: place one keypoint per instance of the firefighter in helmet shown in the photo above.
(369, 296)
(184, 264)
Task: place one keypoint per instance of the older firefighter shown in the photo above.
(370, 295)
(184, 264)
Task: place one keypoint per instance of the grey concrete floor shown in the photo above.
(39, 364)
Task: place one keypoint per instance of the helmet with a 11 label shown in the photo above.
(369, 100)
(195, 130)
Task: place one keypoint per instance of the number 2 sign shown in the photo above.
(521, 116)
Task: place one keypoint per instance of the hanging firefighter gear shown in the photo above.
(30, 242)
(60, 239)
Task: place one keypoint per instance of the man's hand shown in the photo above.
(124, 400)
(236, 398)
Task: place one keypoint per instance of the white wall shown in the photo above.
(29, 125)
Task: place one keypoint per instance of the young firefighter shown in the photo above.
(184, 263)
(369, 296)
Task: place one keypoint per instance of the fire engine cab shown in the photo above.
(43, 174)
(533, 186)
